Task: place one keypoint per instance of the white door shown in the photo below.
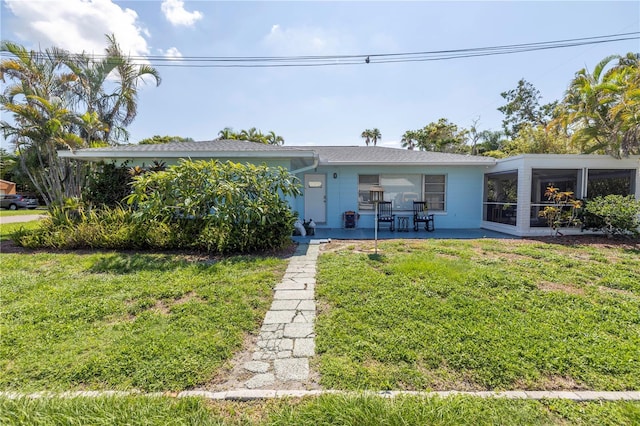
(315, 197)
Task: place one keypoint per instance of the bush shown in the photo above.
(613, 215)
(107, 184)
(220, 207)
(211, 206)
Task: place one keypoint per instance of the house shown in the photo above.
(462, 191)
(7, 188)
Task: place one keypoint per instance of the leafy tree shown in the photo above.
(442, 136)
(538, 140)
(523, 109)
(601, 109)
(155, 140)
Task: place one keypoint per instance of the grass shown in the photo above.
(21, 212)
(107, 320)
(325, 410)
(475, 315)
(7, 229)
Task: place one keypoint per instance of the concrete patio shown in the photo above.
(385, 234)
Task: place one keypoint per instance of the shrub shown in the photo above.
(108, 184)
(212, 206)
(614, 215)
(221, 207)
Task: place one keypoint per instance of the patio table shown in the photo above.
(403, 223)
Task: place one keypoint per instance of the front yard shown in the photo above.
(479, 315)
(107, 320)
(423, 315)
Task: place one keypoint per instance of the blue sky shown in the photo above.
(328, 105)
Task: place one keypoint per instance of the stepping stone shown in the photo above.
(260, 380)
(304, 348)
(256, 366)
(279, 317)
(298, 330)
(292, 369)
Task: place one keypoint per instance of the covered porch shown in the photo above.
(385, 234)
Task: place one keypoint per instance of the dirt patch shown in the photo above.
(549, 286)
(604, 289)
(550, 383)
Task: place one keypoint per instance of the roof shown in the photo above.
(327, 155)
(376, 155)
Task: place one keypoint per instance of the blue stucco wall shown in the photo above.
(463, 194)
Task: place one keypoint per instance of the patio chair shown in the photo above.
(385, 214)
(421, 214)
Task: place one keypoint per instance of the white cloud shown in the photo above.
(175, 13)
(171, 53)
(78, 25)
(307, 40)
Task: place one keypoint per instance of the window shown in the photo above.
(569, 180)
(501, 197)
(605, 182)
(434, 192)
(403, 190)
(365, 182)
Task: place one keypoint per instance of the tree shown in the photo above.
(366, 135)
(409, 139)
(252, 135)
(58, 100)
(523, 108)
(375, 135)
(226, 134)
(157, 139)
(442, 136)
(539, 140)
(118, 106)
(601, 109)
(274, 139)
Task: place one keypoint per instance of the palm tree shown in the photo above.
(603, 107)
(252, 135)
(366, 135)
(60, 101)
(409, 140)
(227, 133)
(116, 108)
(375, 135)
(274, 139)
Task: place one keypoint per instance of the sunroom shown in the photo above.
(514, 189)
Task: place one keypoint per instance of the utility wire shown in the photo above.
(364, 59)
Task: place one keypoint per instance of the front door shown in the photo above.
(315, 197)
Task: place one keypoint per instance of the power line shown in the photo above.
(364, 59)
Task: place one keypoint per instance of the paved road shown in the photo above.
(21, 218)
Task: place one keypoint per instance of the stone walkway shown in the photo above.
(286, 339)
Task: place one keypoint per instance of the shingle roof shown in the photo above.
(381, 155)
(206, 146)
(328, 155)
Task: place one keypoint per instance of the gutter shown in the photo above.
(316, 160)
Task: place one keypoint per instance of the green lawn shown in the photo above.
(325, 410)
(6, 229)
(124, 320)
(22, 212)
(483, 314)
